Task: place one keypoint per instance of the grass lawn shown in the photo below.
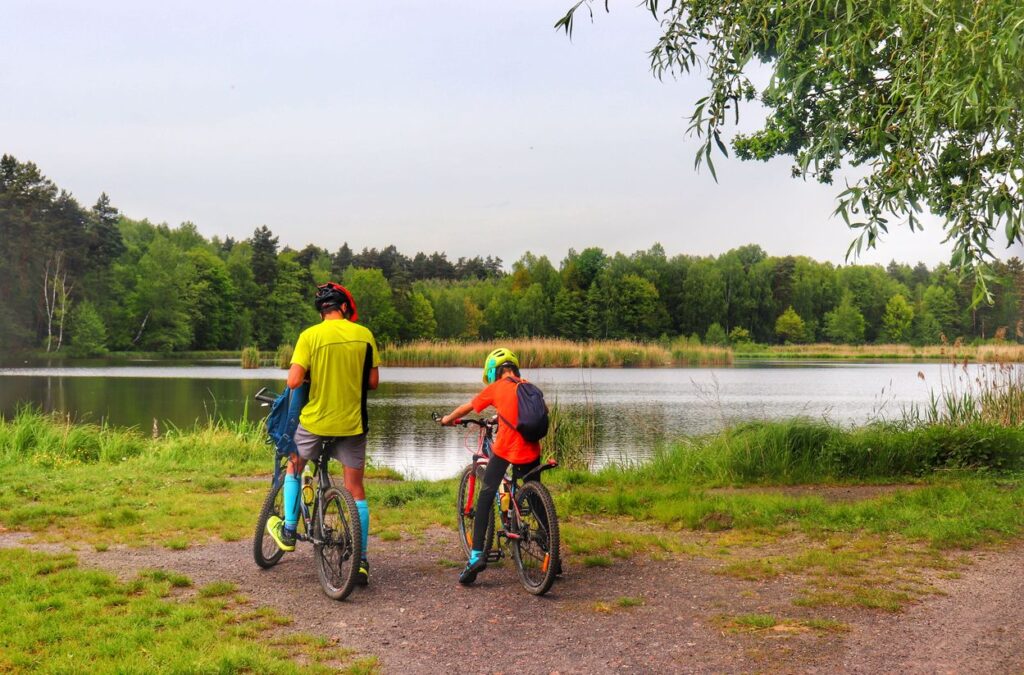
(60, 618)
(960, 487)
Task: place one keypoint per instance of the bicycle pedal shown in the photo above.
(494, 555)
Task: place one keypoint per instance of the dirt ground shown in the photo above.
(416, 618)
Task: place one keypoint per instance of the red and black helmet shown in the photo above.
(330, 296)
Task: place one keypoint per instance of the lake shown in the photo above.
(636, 408)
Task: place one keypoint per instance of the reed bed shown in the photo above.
(251, 357)
(556, 353)
(993, 353)
(987, 394)
(572, 435)
(284, 356)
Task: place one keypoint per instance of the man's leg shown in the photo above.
(351, 452)
(292, 488)
(308, 447)
(354, 484)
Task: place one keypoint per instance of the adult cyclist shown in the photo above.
(341, 359)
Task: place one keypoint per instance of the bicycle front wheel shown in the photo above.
(339, 544)
(467, 514)
(265, 550)
(535, 549)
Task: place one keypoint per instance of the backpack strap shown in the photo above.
(517, 382)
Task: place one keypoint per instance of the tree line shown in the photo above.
(90, 280)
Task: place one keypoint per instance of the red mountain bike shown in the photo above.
(529, 524)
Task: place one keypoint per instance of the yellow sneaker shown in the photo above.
(275, 528)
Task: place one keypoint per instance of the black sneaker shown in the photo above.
(468, 575)
(363, 576)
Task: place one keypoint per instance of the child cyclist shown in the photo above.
(501, 375)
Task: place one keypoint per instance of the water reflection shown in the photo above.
(636, 408)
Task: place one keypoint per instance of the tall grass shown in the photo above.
(284, 356)
(957, 352)
(812, 451)
(991, 394)
(54, 440)
(572, 435)
(251, 357)
(556, 353)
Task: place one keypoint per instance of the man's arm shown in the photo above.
(374, 377)
(296, 374)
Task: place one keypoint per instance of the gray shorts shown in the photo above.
(349, 450)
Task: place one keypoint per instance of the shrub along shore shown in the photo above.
(557, 353)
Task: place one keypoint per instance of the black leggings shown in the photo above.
(495, 471)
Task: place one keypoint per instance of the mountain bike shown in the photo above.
(328, 519)
(526, 513)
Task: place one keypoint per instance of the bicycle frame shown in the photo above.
(481, 457)
(323, 482)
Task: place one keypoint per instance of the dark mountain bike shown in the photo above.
(526, 512)
(328, 519)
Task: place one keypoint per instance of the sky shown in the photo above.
(472, 128)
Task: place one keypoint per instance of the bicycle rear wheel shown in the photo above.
(340, 548)
(265, 550)
(467, 517)
(535, 550)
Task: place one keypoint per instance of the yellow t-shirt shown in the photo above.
(338, 355)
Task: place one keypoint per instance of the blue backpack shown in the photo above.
(283, 419)
(533, 412)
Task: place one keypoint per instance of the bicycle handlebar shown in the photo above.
(465, 421)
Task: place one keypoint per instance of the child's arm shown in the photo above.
(462, 410)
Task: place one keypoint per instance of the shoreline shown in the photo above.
(557, 353)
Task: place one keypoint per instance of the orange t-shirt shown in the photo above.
(510, 444)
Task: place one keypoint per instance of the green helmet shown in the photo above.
(496, 359)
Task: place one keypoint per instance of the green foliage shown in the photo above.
(845, 324)
(163, 297)
(739, 336)
(88, 335)
(422, 324)
(372, 294)
(940, 303)
(898, 318)
(715, 335)
(924, 96)
(789, 327)
(161, 289)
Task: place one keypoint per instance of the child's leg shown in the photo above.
(485, 503)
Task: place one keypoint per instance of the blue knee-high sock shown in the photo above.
(364, 521)
(291, 501)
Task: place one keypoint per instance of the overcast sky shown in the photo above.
(467, 127)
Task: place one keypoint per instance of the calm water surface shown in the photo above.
(636, 408)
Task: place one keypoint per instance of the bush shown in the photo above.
(251, 357)
(284, 356)
(739, 336)
(88, 334)
(715, 335)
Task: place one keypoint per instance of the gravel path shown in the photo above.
(416, 618)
